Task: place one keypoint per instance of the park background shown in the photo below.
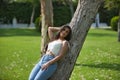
(20, 42)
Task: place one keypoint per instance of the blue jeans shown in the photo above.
(38, 74)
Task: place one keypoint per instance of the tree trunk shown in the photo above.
(119, 28)
(70, 3)
(80, 24)
(32, 17)
(47, 20)
(71, 7)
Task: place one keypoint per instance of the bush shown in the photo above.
(38, 24)
(62, 15)
(106, 15)
(21, 10)
(114, 23)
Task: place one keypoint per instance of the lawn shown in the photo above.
(99, 58)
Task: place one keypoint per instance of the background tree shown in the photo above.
(114, 4)
(47, 20)
(34, 3)
(80, 24)
(70, 3)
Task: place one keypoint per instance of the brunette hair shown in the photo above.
(68, 37)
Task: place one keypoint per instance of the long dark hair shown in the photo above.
(68, 37)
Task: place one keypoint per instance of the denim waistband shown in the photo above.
(45, 58)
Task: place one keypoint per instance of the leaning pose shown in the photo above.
(55, 50)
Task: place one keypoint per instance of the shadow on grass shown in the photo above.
(18, 32)
(112, 66)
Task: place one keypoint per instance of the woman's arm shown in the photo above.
(51, 31)
(62, 52)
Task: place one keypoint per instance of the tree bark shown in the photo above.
(119, 28)
(47, 20)
(80, 24)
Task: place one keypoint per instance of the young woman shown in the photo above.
(56, 49)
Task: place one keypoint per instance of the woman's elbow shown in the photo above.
(50, 28)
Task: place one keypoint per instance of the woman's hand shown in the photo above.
(45, 66)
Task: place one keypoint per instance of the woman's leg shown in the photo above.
(45, 74)
(35, 70)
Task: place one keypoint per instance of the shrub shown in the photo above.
(106, 14)
(21, 10)
(61, 15)
(38, 24)
(114, 23)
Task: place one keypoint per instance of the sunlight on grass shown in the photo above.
(99, 58)
(20, 50)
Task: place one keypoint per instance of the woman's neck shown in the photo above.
(61, 39)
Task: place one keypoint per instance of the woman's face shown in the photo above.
(64, 32)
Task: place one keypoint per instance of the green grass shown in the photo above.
(99, 58)
(19, 51)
